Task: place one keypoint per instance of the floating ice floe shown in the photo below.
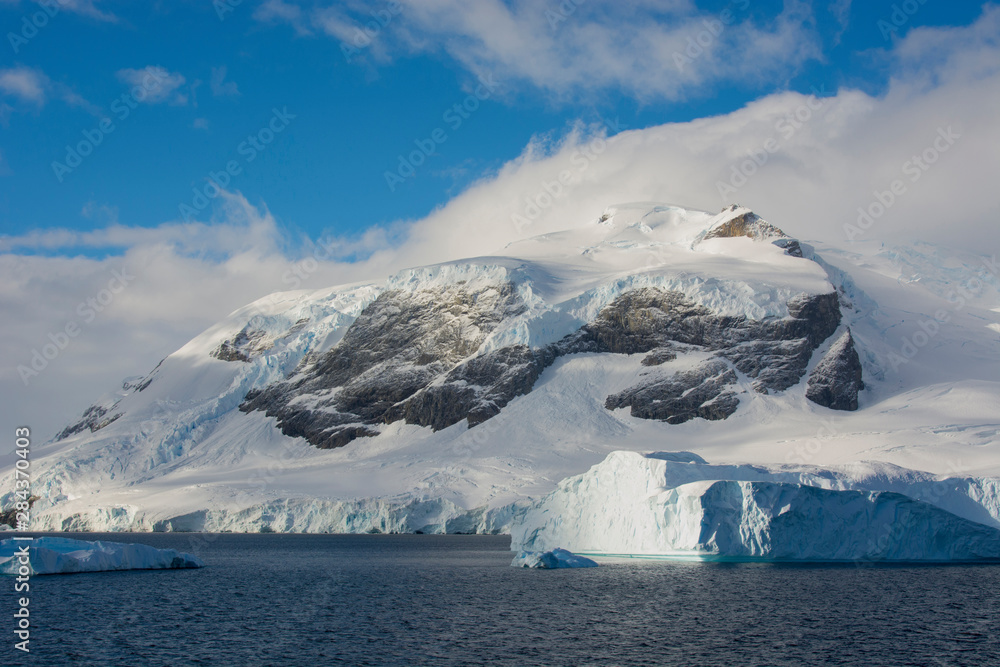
(549, 560)
(60, 555)
(656, 506)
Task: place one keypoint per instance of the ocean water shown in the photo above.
(454, 600)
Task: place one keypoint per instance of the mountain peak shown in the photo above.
(739, 221)
(735, 221)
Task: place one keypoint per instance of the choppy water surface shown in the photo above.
(454, 600)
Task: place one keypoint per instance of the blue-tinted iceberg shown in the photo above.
(60, 555)
(652, 506)
(550, 560)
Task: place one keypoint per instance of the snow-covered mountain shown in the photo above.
(448, 397)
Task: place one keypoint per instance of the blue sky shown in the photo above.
(809, 113)
(227, 65)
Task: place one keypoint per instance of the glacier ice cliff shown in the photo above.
(665, 506)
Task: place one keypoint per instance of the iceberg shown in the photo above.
(550, 560)
(60, 555)
(648, 506)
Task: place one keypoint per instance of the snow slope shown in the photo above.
(177, 454)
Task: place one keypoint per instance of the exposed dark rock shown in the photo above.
(659, 356)
(775, 352)
(95, 418)
(643, 320)
(413, 356)
(9, 515)
(146, 381)
(702, 392)
(836, 380)
(228, 352)
(402, 359)
(249, 343)
(752, 226)
(776, 364)
(100, 415)
(476, 389)
(748, 224)
(791, 246)
(815, 318)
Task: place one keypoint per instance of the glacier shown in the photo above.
(675, 505)
(60, 555)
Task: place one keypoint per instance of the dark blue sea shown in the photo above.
(454, 600)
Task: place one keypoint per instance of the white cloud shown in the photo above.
(32, 87)
(646, 49)
(200, 123)
(934, 56)
(221, 87)
(24, 83)
(101, 213)
(86, 8)
(851, 147)
(841, 10)
(74, 99)
(180, 277)
(157, 85)
(277, 11)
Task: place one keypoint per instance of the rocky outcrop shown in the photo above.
(790, 246)
(660, 355)
(703, 392)
(250, 342)
(406, 356)
(106, 411)
(415, 356)
(747, 224)
(752, 226)
(241, 347)
(95, 418)
(774, 352)
(8, 517)
(476, 389)
(836, 380)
